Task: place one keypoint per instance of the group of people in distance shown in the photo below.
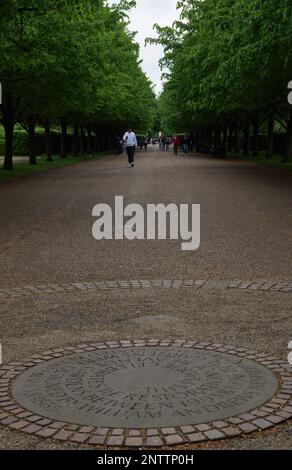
(129, 142)
(144, 142)
(186, 142)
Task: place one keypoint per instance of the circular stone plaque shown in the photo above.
(144, 387)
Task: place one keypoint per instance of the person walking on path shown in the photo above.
(163, 143)
(175, 141)
(168, 143)
(186, 144)
(130, 141)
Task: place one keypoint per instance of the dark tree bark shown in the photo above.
(96, 140)
(256, 137)
(76, 141)
(31, 123)
(101, 138)
(217, 137)
(270, 148)
(213, 138)
(246, 137)
(225, 135)
(8, 121)
(198, 141)
(48, 136)
(109, 140)
(210, 140)
(288, 153)
(230, 139)
(236, 144)
(63, 150)
(89, 139)
(82, 140)
(205, 139)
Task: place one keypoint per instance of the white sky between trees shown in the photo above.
(143, 17)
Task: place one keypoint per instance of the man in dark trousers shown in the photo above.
(130, 141)
(186, 144)
(175, 141)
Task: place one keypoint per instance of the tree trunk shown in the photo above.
(270, 149)
(8, 123)
(246, 138)
(8, 159)
(218, 137)
(48, 136)
(32, 143)
(206, 139)
(230, 139)
(237, 138)
(89, 136)
(210, 140)
(102, 138)
(225, 134)
(76, 141)
(63, 151)
(110, 140)
(213, 138)
(96, 140)
(288, 153)
(256, 137)
(82, 141)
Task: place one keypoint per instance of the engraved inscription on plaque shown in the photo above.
(144, 387)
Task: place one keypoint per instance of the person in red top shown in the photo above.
(175, 141)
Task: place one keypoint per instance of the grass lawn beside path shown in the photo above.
(23, 168)
(275, 162)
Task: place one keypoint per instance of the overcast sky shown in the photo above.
(143, 18)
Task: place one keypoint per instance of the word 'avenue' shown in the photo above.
(129, 222)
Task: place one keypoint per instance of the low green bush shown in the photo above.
(21, 143)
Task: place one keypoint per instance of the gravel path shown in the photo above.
(45, 238)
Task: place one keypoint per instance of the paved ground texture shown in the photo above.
(59, 287)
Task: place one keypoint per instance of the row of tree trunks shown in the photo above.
(64, 128)
(8, 121)
(225, 137)
(83, 140)
(233, 140)
(229, 137)
(256, 134)
(90, 140)
(96, 138)
(237, 137)
(246, 131)
(31, 125)
(270, 144)
(76, 141)
(48, 136)
(288, 154)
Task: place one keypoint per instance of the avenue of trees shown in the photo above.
(228, 66)
(72, 65)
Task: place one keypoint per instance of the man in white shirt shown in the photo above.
(130, 141)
